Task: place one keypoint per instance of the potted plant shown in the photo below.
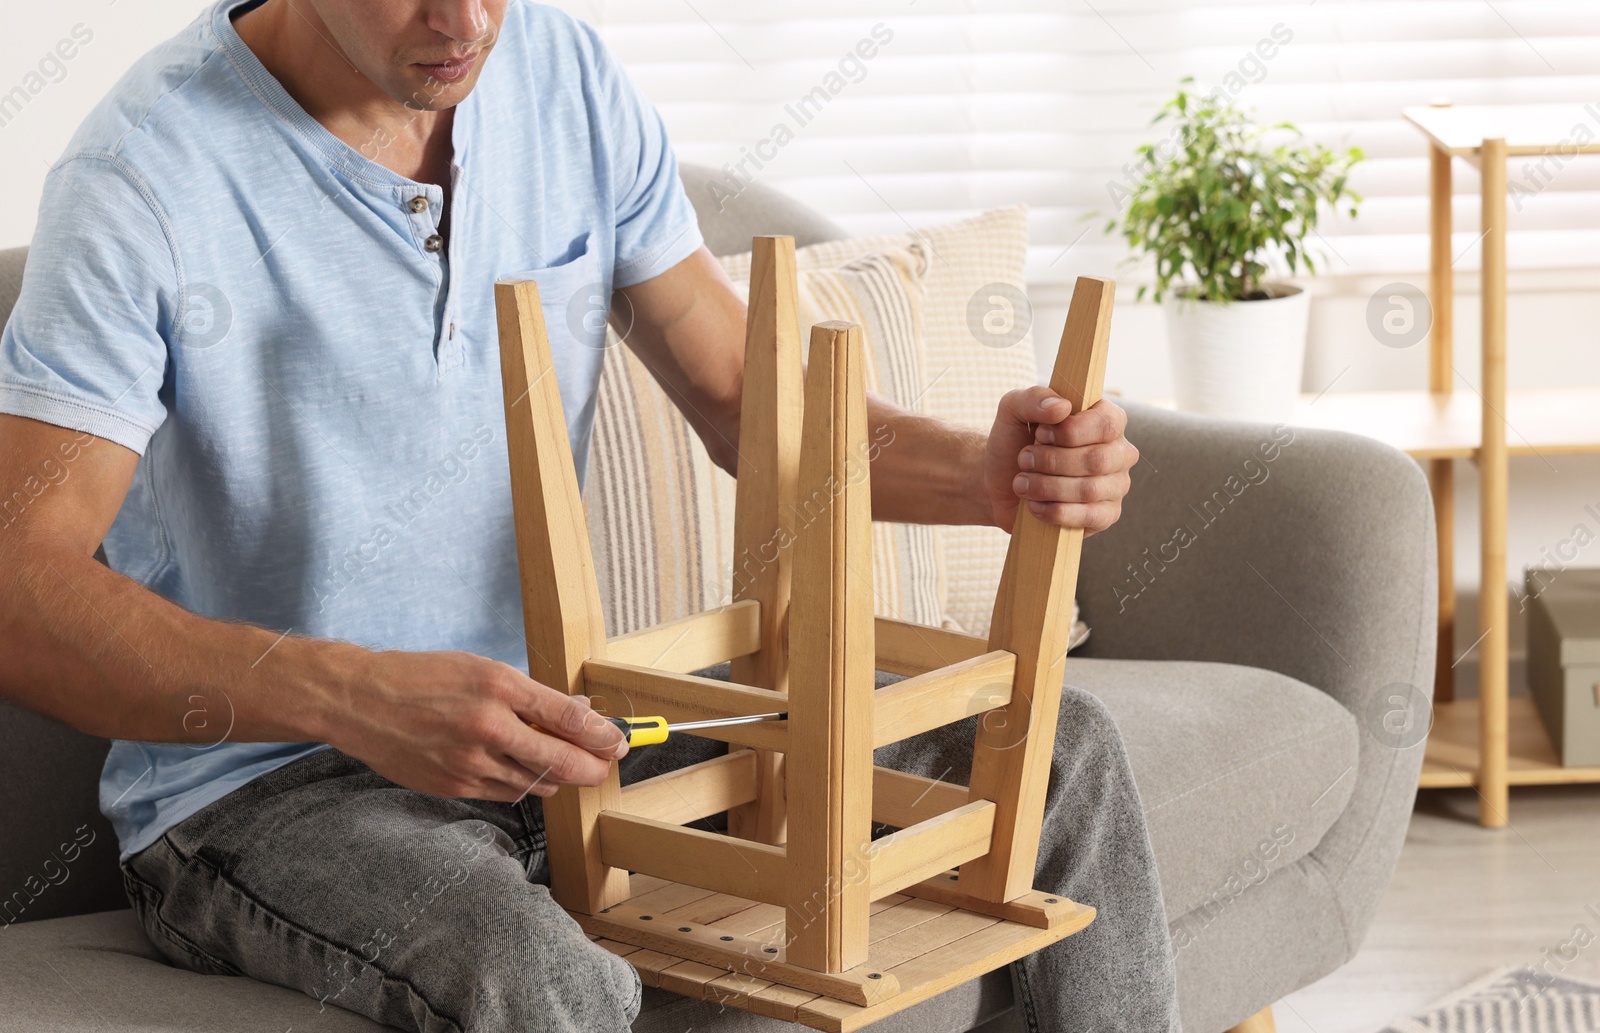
(1218, 203)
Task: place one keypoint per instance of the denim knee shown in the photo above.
(536, 970)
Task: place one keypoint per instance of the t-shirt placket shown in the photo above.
(423, 204)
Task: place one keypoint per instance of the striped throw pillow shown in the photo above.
(661, 513)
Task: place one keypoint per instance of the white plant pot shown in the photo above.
(1241, 360)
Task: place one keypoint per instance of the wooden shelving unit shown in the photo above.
(1493, 742)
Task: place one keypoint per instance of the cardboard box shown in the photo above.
(1564, 659)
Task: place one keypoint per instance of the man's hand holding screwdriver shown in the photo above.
(456, 724)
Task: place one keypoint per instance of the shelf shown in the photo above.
(1452, 757)
(1430, 426)
(1557, 421)
(1526, 128)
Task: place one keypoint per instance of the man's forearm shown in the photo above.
(98, 651)
(925, 471)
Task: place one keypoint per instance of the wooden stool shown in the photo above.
(835, 929)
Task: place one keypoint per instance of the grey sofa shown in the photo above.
(1250, 671)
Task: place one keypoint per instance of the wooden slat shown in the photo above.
(621, 950)
(942, 697)
(763, 520)
(698, 791)
(639, 883)
(742, 954)
(668, 896)
(892, 951)
(691, 979)
(903, 800)
(623, 690)
(695, 857)
(651, 964)
(907, 648)
(911, 855)
(761, 996)
(1033, 618)
(982, 951)
(1035, 908)
(831, 675)
(693, 642)
(562, 620)
(936, 970)
(893, 914)
(754, 922)
(910, 912)
(713, 909)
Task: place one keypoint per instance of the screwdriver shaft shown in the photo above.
(724, 722)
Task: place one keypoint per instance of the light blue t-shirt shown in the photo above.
(262, 312)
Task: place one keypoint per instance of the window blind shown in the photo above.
(888, 113)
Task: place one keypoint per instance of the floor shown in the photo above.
(1466, 900)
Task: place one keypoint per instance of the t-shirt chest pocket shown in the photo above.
(575, 296)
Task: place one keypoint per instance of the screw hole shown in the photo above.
(953, 878)
(875, 975)
(646, 918)
(770, 950)
(684, 929)
(726, 938)
(1051, 900)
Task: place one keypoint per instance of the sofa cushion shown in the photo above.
(661, 512)
(1240, 771)
(11, 262)
(98, 972)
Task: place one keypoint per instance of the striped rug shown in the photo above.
(1518, 1000)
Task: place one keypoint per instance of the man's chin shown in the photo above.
(424, 92)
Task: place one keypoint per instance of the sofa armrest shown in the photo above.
(1306, 552)
(58, 854)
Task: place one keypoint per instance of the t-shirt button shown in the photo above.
(419, 204)
(434, 243)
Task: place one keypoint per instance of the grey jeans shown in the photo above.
(433, 914)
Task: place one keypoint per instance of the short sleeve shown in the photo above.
(84, 348)
(655, 223)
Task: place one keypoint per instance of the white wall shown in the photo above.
(1553, 315)
(31, 139)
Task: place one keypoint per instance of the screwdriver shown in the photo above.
(647, 731)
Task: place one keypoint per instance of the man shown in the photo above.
(258, 312)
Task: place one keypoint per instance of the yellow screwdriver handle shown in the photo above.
(641, 731)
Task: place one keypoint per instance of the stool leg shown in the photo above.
(560, 598)
(1033, 618)
(831, 676)
(763, 525)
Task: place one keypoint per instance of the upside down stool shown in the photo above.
(828, 927)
